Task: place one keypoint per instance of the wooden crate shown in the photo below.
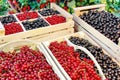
(85, 36)
(104, 41)
(41, 31)
(80, 10)
(17, 44)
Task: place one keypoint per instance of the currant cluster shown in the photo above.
(48, 12)
(12, 28)
(29, 25)
(106, 23)
(27, 64)
(76, 68)
(110, 69)
(7, 19)
(27, 15)
(82, 54)
(55, 19)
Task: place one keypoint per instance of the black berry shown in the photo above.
(48, 12)
(110, 69)
(35, 24)
(106, 23)
(7, 19)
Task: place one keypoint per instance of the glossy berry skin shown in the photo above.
(76, 68)
(27, 64)
(110, 68)
(55, 19)
(27, 15)
(48, 12)
(25, 8)
(7, 19)
(106, 23)
(29, 25)
(12, 28)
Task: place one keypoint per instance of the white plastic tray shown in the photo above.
(47, 43)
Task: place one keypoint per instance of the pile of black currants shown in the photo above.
(48, 12)
(7, 19)
(106, 23)
(29, 25)
(110, 68)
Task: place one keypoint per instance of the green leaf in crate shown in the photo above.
(33, 4)
(23, 2)
(69, 10)
(103, 1)
(71, 4)
(117, 14)
(43, 1)
(72, 10)
(91, 1)
(97, 1)
(78, 4)
(61, 4)
(2, 1)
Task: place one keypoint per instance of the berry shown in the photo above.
(27, 15)
(11, 12)
(24, 9)
(76, 68)
(12, 28)
(107, 64)
(27, 64)
(106, 23)
(55, 19)
(7, 19)
(29, 25)
(48, 12)
(42, 6)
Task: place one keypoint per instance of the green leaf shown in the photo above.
(71, 4)
(91, 1)
(22, 1)
(61, 4)
(33, 5)
(43, 1)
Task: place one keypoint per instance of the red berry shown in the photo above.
(55, 19)
(27, 15)
(28, 8)
(42, 6)
(24, 8)
(11, 12)
(76, 68)
(66, 8)
(12, 28)
(38, 0)
(27, 64)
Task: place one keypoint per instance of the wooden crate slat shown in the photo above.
(54, 35)
(79, 10)
(25, 35)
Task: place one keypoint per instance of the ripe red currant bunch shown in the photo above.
(27, 64)
(55, 19)
(12, 28)
(77, 69)
(27, 15)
